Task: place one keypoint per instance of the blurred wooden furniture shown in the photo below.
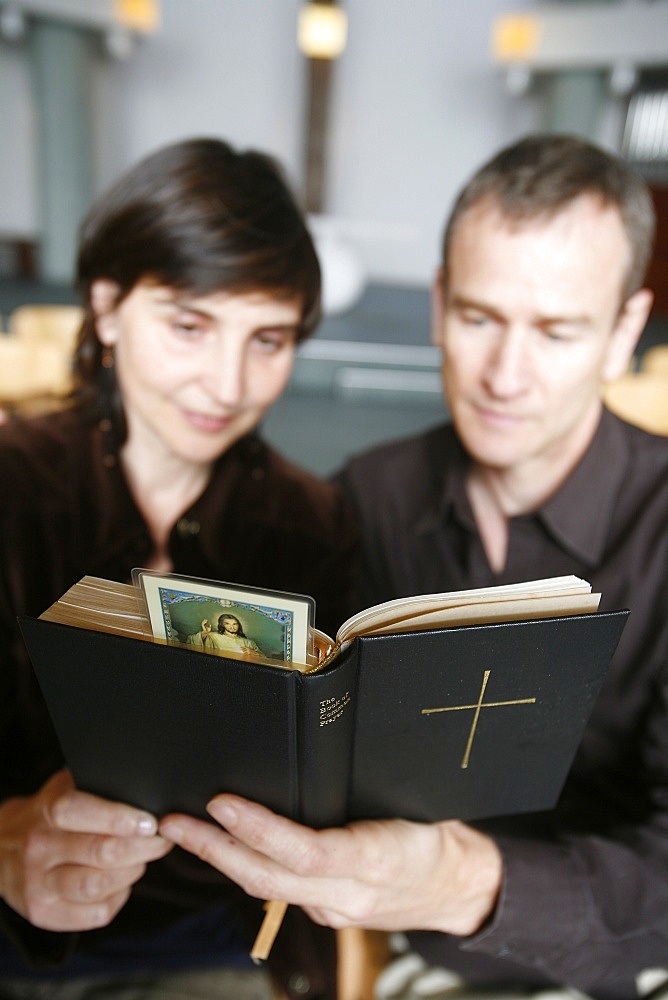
(640, 397)
(655, 359)
(362, 957)
(36, 356)
(59, 323)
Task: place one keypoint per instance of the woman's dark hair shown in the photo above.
(200, 217)
(221, 627)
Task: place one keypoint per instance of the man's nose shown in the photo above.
(506, 369)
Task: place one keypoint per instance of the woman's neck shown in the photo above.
(163, 488)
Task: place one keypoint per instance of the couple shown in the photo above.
(199, 279)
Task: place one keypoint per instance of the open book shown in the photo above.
(141, 610)
(461, 705)
(465, 705)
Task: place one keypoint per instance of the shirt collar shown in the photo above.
(449, 463)
(578, 515)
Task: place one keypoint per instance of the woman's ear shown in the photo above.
(104, 299)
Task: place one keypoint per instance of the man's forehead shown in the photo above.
(588, 210)
(571, 262)
(582, 230)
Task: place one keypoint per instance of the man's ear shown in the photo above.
(626, 334)
(437, 308)
(104, 299)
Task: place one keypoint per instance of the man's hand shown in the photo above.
(68, 860)
(383, 875)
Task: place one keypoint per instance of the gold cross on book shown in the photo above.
(480, 704)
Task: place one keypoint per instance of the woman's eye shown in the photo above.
(187, 328)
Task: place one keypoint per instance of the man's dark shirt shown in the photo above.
(585, 894)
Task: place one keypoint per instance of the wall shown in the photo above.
(17, 169)
(416, 104)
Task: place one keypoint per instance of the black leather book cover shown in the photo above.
(467, 722)
(164, 727)
(475, 722)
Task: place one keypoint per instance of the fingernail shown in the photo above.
(224, 813)
(147, 825)
(171, 831)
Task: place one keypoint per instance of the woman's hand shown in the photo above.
(68, 860)
(384, 875)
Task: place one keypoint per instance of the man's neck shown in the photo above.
(498, 494)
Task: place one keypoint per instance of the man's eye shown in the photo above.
(271, 341)
(475, 319)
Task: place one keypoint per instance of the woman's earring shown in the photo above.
(107, 386)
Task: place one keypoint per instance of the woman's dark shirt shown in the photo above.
(66, 511)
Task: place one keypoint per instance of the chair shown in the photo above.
(641, 398)
(362, 956)
(655, 359)
(36, 356)
(55, 323)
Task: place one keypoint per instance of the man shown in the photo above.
(539, 302)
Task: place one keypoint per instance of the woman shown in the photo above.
(198, 279)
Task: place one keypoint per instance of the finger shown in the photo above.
(56, 914)
(248, 824)
(307, 851)
(261, 875)
(257, 874)
(83, 885)
(360, 850)
(96, 850)
(82, 812)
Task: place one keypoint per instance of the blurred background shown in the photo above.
(378, 109)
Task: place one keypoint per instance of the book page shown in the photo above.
(108, 606)
(121, 608)
(494, 611)
(392, 614)
(102, 605)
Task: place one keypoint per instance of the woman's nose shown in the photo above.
(225, 374)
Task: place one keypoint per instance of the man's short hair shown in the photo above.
(540, 175)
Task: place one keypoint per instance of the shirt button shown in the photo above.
(186, 528)
(299, 983)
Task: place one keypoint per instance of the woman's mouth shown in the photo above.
(207, 422)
